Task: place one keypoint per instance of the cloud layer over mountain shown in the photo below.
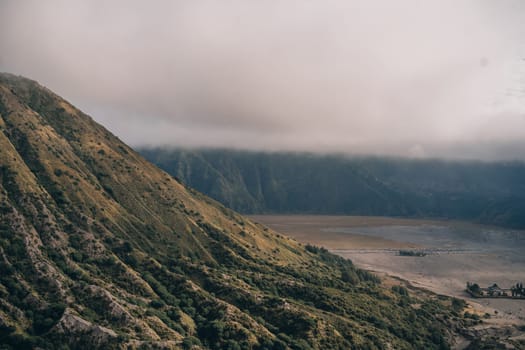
(410, 78)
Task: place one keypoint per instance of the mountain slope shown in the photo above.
(281, 183)
(252, 182)
(99, 248)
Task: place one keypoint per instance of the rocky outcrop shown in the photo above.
(80, 331)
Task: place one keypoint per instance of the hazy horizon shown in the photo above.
(443, 79)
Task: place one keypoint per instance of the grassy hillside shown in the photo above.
(252, 182)
(101, 249)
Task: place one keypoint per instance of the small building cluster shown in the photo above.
(495, 291)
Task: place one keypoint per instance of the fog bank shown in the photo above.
(409, 78)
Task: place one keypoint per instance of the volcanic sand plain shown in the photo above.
(456, 252)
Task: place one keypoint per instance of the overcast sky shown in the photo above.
(406, 77)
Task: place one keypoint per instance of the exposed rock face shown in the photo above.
(78, 330)
(99, 248)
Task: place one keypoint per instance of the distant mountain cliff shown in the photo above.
(252, 182)
(101, 249)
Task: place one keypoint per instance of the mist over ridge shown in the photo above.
(439, 79)
(310, 183)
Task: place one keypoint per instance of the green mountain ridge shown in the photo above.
(101, 249)
(284, 183)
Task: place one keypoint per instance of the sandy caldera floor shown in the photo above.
(457, 252)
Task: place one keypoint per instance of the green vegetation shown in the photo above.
(290, 183)
(418, 253)
(474, 289)
(111, 252)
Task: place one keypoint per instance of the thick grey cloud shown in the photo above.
(407, 77)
